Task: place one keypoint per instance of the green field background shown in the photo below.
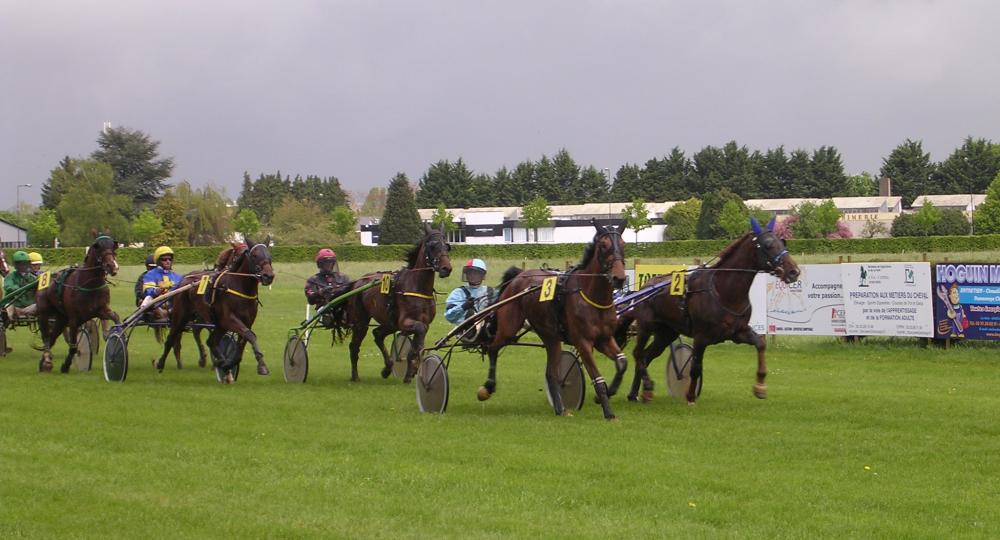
(885, 439)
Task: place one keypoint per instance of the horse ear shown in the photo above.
(593, 221)
(755, 226)
(267, 241)
(770, 224)
(427, 228)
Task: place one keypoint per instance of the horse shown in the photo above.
(4, 269)
(231, 305)
(408, 306)
(581, 314)
(75, 296)
(715, 307)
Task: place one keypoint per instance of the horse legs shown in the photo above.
(49, 336)
(358, 334)
(418, 330)
(696, 357)
(609, 347)
(218, 360)
(554, 351)
(643, 357)
(600, 387)
(172, 342)
(379, 333)
(73, 329)
(237, 325)
(177, 353)
(505, 334)
(748, 336)
(202, 357)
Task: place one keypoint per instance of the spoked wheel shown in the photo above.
(432, 385)
(296, 360)
(94, 328)
(84, 358)
(230, 352)
(399, 352)
(679, 371)
(572, 384)
(116, 357)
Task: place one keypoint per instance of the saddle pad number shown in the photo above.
(44, 280)
(203, 284)
(386, 284)
(677, 284)
(548, 289)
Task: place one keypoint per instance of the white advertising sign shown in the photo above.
(888, 299)
(758, 301)
(812, 306)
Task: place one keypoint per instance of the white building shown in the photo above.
(962, 201)
(857, 211)
(12, 236)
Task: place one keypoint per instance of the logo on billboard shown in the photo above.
(863, 277)
(908, 275)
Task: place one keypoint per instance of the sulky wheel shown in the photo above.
(296, 360)
(679, 371)
(432, 385)
(230, 355)
(399, 352)
(572, 384)
(116, 357)
(84, 350)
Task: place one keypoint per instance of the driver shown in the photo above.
(150, 264)
(24, 304)
(159, 280)
(36, 262)
(465, 301)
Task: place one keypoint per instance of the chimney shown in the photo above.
(884, 187)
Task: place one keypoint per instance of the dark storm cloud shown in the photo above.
(361, 90)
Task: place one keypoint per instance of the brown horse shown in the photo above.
(715, 307)
(409, 305)
(232, 306)
(4, 269)
(74, 296)
(581, 314)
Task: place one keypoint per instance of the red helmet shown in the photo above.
(325, 253)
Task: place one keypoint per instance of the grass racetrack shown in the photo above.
(883, 439)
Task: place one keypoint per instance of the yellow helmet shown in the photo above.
(161, 251)
(35, 258)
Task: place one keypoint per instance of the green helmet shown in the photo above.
(21, 256)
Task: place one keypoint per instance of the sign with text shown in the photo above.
(812, 306)
(645, 272)
(967, 301)
(888, 299)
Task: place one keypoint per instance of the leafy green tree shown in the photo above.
(481, 191)
(987, 215)
(592, 185)
(299, 222)
(506, 192)
(246, 222)
(146, 226)
(544, 182)
(264, 195)
(207, 212)
(910, 170)
(92, 203)
(342, 223)
(628, 184)
(952, 223)
(175, 226)
(522, 183)
(669, 178)
(58, 183)
(815, 220)
(139, 172)
(445, 182)
(709, 227)
(733, 219)
(970, 168)
(927, 218)
(874, 228)
(800, 174)
(708, 172)
(374, 204)
(536, 214)
(43, 228)
(828, 178)
(636, 217)
(400, 223)
(861, 185)
(905, 225)
(443, 219)
(681, 220)
(324, 192)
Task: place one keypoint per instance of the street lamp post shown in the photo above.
(17, 209)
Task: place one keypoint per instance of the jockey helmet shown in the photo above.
(325, 253)
(21, 256)
(150, 262)
(35, 258)
(161, 252)
(473, 264)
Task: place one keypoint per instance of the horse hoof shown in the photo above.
(760, 391)
(567, 412)
(690, 403)
(229, 378)
(64, 368)
(611, 418)
(45, 366)
(201, 363)
(483, 394)
(632, 397)
(386, 371)
(262, 370)
(647, 396)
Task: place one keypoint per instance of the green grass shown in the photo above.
(884, 439)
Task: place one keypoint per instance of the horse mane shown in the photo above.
(224, 258)
(588, 253)
(411, 254)
(730, 250)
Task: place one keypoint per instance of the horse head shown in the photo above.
(609, 249)
(772, 256)
(258, 259)
(435, 249)
(103, 253)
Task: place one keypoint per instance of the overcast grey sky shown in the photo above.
(364, 89)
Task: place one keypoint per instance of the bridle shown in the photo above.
(254, 267)
(771, 262)
(617, 254)
(435, 262)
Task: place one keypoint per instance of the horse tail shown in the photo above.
(508, 276)
(621, 331)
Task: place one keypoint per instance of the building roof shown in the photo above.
(842, 203)
(957, 200)
(13, 225)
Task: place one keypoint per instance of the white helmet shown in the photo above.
(473, 264)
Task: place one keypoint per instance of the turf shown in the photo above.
(883, 439)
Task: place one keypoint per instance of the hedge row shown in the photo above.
(680, 248)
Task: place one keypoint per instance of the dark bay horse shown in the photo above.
(714, 308)
(582, 314)
(409, 305)
(231, 305)
(74, 296)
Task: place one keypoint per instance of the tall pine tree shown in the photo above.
(400, 222)
(910, 171)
